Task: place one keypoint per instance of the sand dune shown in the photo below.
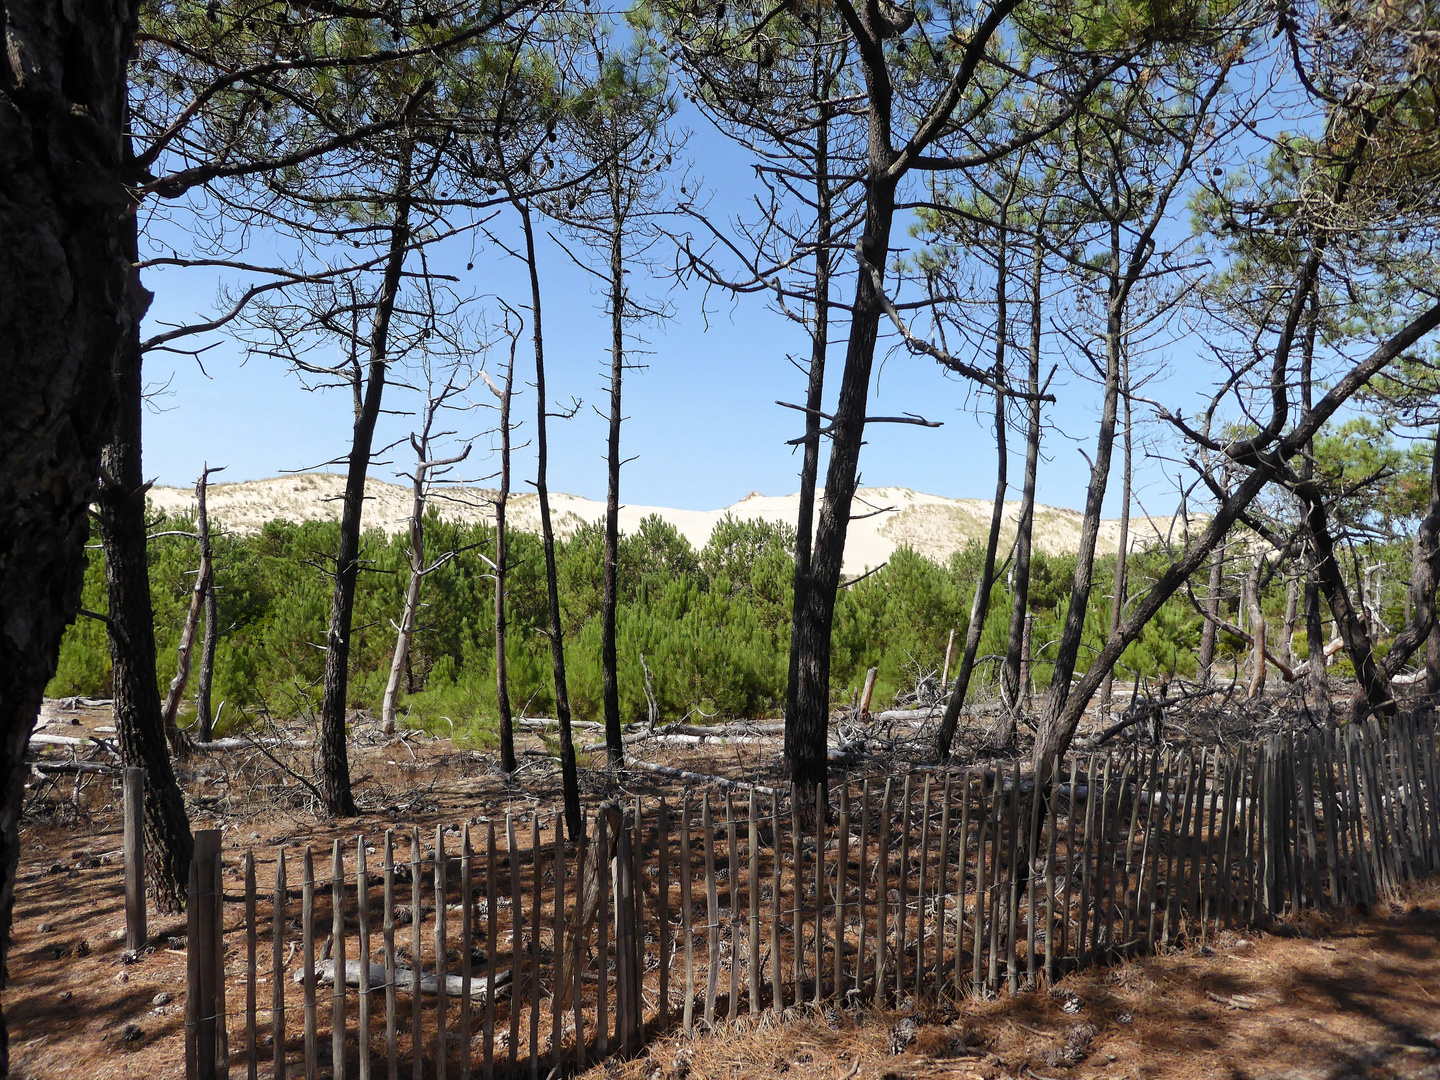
(931, 524)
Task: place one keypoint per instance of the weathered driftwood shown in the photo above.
(697, 778)
(404, 979)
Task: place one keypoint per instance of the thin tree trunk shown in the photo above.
(334, 757)
(569, 774)
(198, 594)
(120, 515)
(1122, 548)
(401, 656)
(65, 270)
(1292, 613)
(1256, 688)
(807, 725)
(1374, 683)
(204, 718)
(980, 602)
(502, 568)
(609, 662)
(1068, 649)
(1025, 527)
(1210, 630)
(814, 402)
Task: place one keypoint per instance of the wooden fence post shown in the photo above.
(205, 1051)
(135, 930)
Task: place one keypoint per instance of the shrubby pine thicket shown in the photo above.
(712, 625)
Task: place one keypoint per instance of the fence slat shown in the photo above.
(1069, 857)
(417, 916)
(687, 914)
(842, 877)
(820, 814)
(442, 965)
(307, 945)
(962, 863)
(777, 969)
(797, 866)
(538, 885)
(1050, 955)
(977, 951)
(862, 860)
(665, 942)
(882, 894)
(733, 894)
(516, 941)
(492, 941)
(557, 949)
(467, 945)
(362, 914)
(902, 906)
(942, 887)
(712, 911)
(252, 1060)
(920, 890)
(392, 1048)
(277, 970)
(753, 907)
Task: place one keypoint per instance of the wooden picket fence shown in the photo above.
(506, 952)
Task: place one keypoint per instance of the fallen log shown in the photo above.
(404, 979)
(246, 744)
(698, 778)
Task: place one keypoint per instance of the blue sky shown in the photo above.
(702, 423)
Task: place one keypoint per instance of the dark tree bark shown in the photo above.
(1025, 527)
(1122, 548)
(609, 662)
(502, 568)
(814, 400)
(569, 773)
(120, 517)
(1267, 461)
(64, 275)
(1374, 684)
(980, 603)
(334, 757)
(205, 719)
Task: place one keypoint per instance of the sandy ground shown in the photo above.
(1336, 999)
(934, 526)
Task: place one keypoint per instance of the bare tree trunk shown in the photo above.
(1011, 678)
(609, 662)
(65, 270)
(814, 402)
(569, 774)
(980, 603)
(502, 568)
(334, 757)
(1374, 683)
(204, 718)
(120, 515)
(1209, 631)
(1068, 649)
(1256, 688)
(202, 589)
(1292, 612)
(1122, 549)
(807, 725)
(400, 658)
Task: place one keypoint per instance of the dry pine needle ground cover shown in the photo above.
(1341, 999)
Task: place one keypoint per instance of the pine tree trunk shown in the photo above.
(334, 756)
(1068, 650)
(569, 773)
(1011, 678)
(980, 603)
(807, 725)
(64, 274)
(814, 402)
(609, 662)
(205, 719)
(1210, 631)
(120, 515)
(1122, 548)
(502, 557)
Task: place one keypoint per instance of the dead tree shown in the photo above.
(427, 472)
(199, 601)
(504, 393)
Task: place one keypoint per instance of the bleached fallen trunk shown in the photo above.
(405, 980)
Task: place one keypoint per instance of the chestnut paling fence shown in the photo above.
(495, 950)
